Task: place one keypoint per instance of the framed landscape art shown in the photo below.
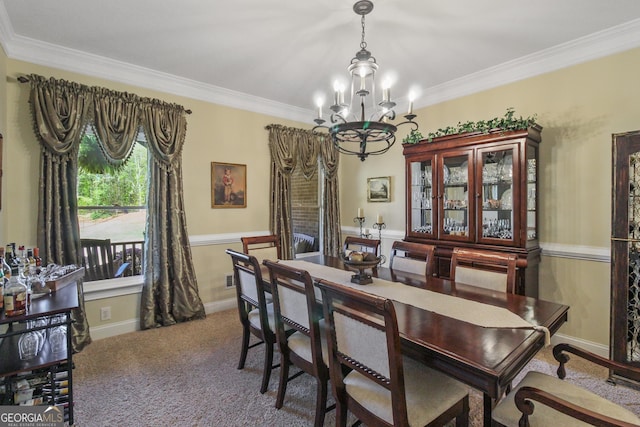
(228, 185)
(379, 189)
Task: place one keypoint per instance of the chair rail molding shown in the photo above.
(586, 253)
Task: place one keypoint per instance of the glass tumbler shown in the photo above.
(29, 345)
(58, 339)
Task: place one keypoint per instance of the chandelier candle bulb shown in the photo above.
(319, 111)
(410, 107)
(360, 213)
(386, 94)
(379, 219)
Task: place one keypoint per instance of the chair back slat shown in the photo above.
(249, 285)
(363, 335)
(262, 247)
(415, 258)
(487, 269)
(293, 305)
(360, 244)
(361, 342)
(493, 280)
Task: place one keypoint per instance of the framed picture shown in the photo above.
(379, 189)
(228, 185)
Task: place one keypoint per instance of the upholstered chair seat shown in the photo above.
(506, 413)
(301, 344)
(429, 393)
(541, 400)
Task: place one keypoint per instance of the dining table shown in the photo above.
(487, 358)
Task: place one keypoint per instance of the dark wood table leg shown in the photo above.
(488, 408)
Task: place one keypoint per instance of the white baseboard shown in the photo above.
(132, 325)
(599, 349)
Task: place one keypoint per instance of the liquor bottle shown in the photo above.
(23, 263)
(8, 255)
(15, 297)
(36, 255)
(32, 262)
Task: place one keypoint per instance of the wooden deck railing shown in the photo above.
(131, 252)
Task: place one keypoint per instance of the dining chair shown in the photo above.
(361, 244)
(416, 258)
(262, 247)
(256, 315)
(97, 260)
(486, 269)
(543, 400)
(369, 375)
(295, 306)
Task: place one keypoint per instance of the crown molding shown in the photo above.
(597, 45)
(603, 43)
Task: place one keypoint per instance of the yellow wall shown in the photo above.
(579, 108)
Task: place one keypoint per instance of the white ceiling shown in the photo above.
(275, 56)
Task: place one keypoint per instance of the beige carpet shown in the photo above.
(185, 375)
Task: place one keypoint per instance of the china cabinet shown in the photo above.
(625, 252)
(35, 351)
(477, 190)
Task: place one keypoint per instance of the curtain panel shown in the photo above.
(291, 148)
(60, 112)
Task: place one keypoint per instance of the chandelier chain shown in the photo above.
(363, 44)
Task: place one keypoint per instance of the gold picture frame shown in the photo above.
(379, 189)
(228, 185)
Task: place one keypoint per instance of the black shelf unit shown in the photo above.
(56, 368)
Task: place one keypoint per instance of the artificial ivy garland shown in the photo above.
(508, 122)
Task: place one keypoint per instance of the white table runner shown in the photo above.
(477, 313)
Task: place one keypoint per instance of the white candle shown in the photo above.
(319, 111)
(366, 231)
(362, 83)
(410, 107)
(379, 219)
(336, 98)
(360, 213)
(386, 94)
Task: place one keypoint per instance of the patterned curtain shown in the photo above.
(329, 156)
(60, 112)
(291, 147)
(170, 292)
(115, 123)
(283, 162)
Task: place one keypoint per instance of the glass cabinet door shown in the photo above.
(422, 197)
(496, 210)
(532, 188)
(455, 204)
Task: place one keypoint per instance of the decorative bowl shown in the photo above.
(369, 260)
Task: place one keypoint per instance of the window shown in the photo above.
(112, 201)
(305, 211)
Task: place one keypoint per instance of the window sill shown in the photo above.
(109, 288)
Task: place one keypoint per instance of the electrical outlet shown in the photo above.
(228, 280)
(105, 313)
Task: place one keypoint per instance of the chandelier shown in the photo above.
(362, 127)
